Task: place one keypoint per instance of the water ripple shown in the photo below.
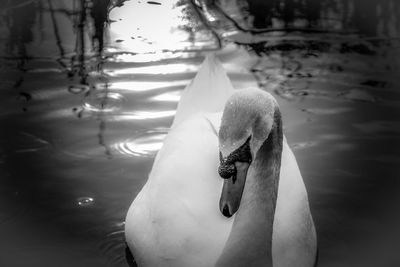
(142, 86)
(163, 69)
(104, 102)
(144, 115)
(173, 96)
(78, 88)
(85, 201)
(45, 70)
(113, 245)
(144, 144)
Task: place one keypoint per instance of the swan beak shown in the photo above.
(232, 190)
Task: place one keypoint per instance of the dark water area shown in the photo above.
(89, 89)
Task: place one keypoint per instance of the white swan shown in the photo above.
(178, 219)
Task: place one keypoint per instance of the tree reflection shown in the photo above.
(88, 20)
(19, 18)
(369, 18)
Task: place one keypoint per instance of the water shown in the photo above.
(87, 98)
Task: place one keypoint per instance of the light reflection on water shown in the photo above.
(82, 117)
(142, 86)
(142, 145)
(128, 57)
(173, 96)
(155, 69)
(104, 102)
(163, 32)
(144, 115)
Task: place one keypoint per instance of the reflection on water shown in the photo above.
(369, 18)
(154, 69)
(145, 86)
(144, 115)
(103, 102)
(85, 201)
(173, 96)
(89, 89)
(143, 145)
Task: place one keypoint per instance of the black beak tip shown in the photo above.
(225, 211)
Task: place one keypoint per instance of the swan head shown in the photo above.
(247, 120)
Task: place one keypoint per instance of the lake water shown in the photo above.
(89, 89)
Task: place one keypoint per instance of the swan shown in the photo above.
(225, 189)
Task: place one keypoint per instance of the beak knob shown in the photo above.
(226, 171)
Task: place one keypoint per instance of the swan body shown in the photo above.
(175, 219)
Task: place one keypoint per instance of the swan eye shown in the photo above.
(242, 154)
(227, 166)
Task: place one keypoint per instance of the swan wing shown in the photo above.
(175, 219)
(207, 92)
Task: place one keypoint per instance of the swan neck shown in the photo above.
(250, 240)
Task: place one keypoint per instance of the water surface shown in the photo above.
(89, 90)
